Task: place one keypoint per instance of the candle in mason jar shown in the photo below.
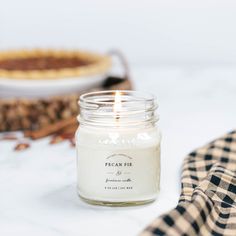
(118, 148)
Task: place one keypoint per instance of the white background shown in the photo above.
(150, 32)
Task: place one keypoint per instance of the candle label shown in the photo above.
(118, 172)
(118, 175)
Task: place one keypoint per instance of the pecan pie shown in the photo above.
(44, 64)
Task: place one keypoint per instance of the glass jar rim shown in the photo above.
(135, 108)
(137, 96)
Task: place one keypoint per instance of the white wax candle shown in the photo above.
(118, 166)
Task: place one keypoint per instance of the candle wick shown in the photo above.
(117, 117)
(117, 106)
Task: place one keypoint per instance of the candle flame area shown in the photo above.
(117, 104)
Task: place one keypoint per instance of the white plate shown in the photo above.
(10, 88)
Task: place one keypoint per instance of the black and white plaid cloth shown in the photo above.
(207, 203)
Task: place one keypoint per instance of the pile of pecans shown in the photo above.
(23, 114)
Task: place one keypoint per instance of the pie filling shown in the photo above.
(42, 63)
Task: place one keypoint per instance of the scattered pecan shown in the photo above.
(56, 139)
(61, 137)
(21, 146)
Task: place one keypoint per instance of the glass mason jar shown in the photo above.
(118, 148)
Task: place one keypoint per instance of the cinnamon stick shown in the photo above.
(50, 129)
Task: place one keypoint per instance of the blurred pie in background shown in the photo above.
(40, 73)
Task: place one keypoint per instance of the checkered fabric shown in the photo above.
(207, 203)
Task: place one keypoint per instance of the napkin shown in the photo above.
(207, 202)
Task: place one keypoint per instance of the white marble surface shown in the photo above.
(37, 186)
